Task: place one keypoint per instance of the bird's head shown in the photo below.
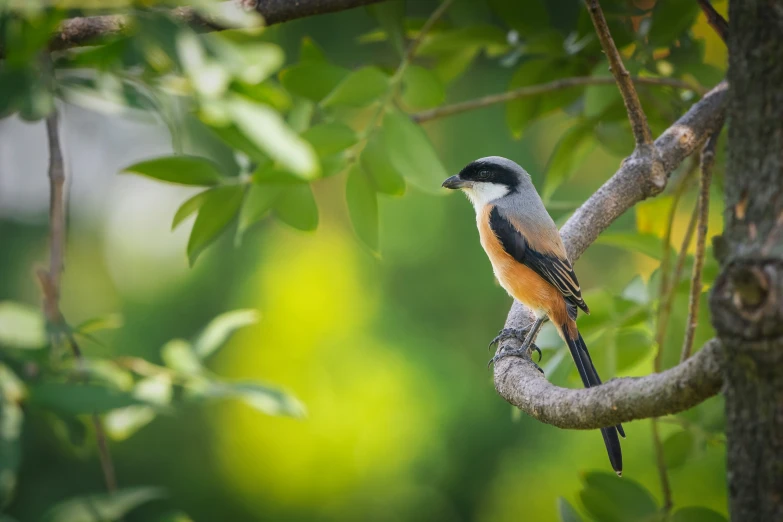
(488, 179)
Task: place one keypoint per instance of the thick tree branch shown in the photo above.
(641, 130)
(534, 90)
(519, 382)
(76, 32)
(615, 401)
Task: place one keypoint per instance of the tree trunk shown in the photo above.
(747, 301)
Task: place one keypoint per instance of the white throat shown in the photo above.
(482, 193)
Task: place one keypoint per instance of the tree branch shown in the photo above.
(615, 401)
(641, 130)
(518, 381)
(76, 32)
(50, 280)
(707, 162)
(533, 90)
(716, 21)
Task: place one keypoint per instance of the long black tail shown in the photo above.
(584, 364)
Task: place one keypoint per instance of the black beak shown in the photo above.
(454, 182)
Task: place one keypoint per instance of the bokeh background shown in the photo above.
(387, 353)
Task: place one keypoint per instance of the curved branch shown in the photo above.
(518, 381)
(533, 90)
(615, 401)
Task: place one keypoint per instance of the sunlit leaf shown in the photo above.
(266, 399)
(677, 448)
(312, 80)
(267, 129)
(358, 89)
(568, 156)
(21, 326)
(121, 423)
(391, 17)
(412, 154)
(189, 207)
(301, 114)
(181, 169)
(180, 357)
(567, 511)
(218, 331)
(103, 506)
(268, 93)
(330, 138)
(609, 498)
(101, 371)
(696, 514)
(296, 207)
(422, 89)
(377, 163)
(363, 206)
(78, 398)
(215, 214)
(258, 202)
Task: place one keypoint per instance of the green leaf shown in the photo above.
(309, 51)
(215, 214)
(104, 322)
(267, 93)
(77, 398)
(21, 326)
(422, 89)
(237, 140)
(615, 137)
(413, 155)
(391, 17)
(376, 162)
(522, 111)
(266, 399)
(567, 511)
(37, 103)
(301, 115)
(485, 36)
(121, 423)
(220, 329)
(296, 207)
(312, 80)
(102, 507)
(363, 206)
(174, 516)
(670, 19)
(568, 156)
(696, 514)
(633, 346)
(189, 207)
(677, 448)
(330, 138)
(267, 129)
(648, 244)
(258, 202)
(180, 357)
(359, 89)
(452, 65)
(183, 170)
(11, 420)
(528, 18)
(609, 498)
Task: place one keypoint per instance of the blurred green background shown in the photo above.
(386, 352)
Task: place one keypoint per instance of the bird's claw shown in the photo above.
(517, 353)
(517, 333)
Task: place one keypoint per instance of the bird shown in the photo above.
(530, 263)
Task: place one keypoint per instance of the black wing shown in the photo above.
(553, 269)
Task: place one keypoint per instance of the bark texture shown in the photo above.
(747, 301)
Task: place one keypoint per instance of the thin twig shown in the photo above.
(716, 21)
(533, 90)
(641, 130)
(663, 473)
(707, 162)
(428, 25)
(50, 280)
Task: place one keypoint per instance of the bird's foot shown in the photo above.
(517, 353)
(521, 334)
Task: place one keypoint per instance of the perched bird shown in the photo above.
(530, 262)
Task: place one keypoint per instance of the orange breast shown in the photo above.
(522, 283)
